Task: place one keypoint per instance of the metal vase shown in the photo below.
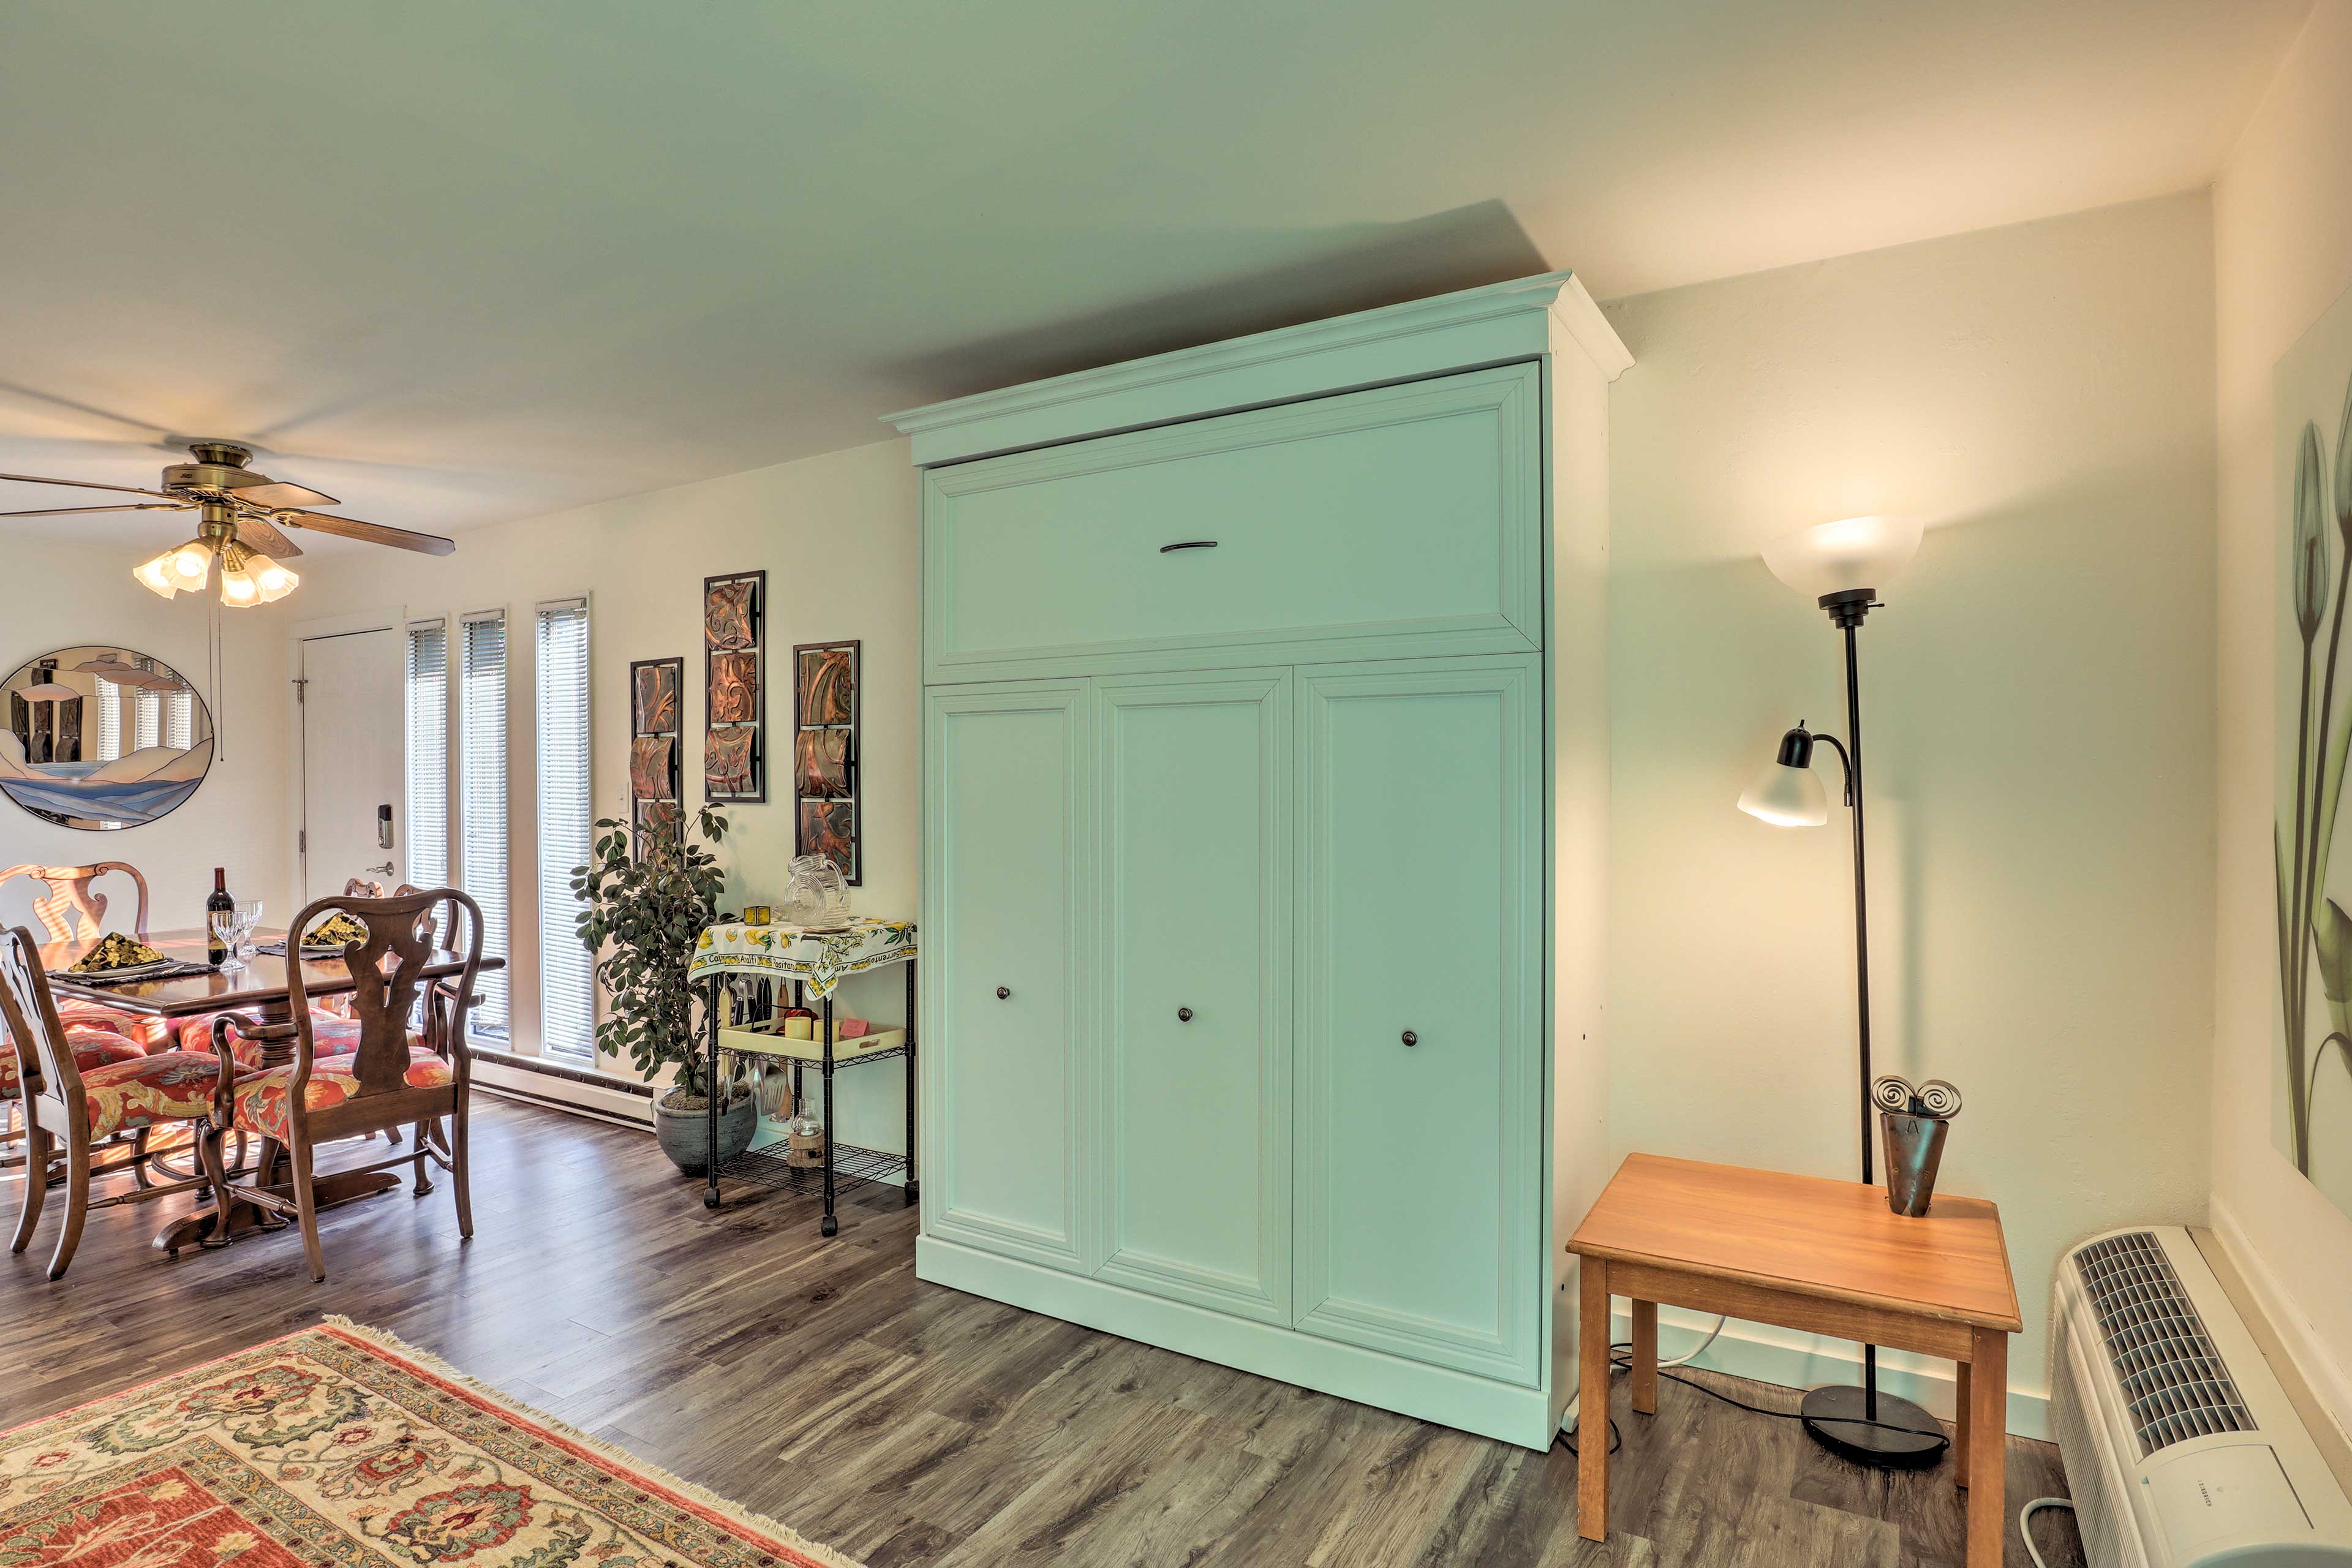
(1915, 1147)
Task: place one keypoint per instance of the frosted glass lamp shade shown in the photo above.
(1787, 797)
(1853, 553)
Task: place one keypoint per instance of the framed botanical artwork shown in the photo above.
(735, 687)
(825, 754)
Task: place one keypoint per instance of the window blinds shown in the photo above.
(428, 753)
(567, 997)
(482, 799)
(109, 719)
(180, 729)
(147, 720)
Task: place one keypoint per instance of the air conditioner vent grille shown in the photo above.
(2175, 1382)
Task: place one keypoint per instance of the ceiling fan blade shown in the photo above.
(276, 495)
(260, 534)
(125, 506)
(373, 532)
(87, 485)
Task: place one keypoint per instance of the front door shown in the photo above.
(353, 731)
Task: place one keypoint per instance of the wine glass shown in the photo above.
(232, 925)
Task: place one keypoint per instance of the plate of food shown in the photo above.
(119, 957)
(332, 936)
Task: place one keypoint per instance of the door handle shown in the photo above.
(1001, 993)
(1410, 1038)
(385, 869)
(384, 827)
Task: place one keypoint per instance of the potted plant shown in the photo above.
(644, 899)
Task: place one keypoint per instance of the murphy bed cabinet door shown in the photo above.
(1009, 886)
(1420, 1072)
(1194, 799)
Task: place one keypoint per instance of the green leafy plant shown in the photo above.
(644, 900)
(2311, 925)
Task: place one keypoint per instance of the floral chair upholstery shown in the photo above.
(92, 1049)
(262, 1097)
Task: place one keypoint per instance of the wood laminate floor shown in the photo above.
(903, 1423)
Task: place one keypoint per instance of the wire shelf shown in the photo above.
(852, 1167)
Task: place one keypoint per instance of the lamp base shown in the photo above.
(1906, 1438)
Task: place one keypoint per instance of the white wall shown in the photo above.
(63, 593)
(2036, 695)
(2283, 250)
(838, 537)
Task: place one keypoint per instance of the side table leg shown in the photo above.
(1592, 1400)
(1644, 1378)
(1988, 1424)
(1960, 1425)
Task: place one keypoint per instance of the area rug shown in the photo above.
(338, 1446)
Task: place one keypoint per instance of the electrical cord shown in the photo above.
(2025, 1524)
(1625, 1363)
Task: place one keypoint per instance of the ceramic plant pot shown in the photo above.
(683, 1138)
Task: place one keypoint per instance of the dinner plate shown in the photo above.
(127, 972)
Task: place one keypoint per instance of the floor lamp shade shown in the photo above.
(1855, 553)
(1787, 796)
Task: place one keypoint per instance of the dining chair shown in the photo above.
(410, 1067)
(70, 911)
(67, 1109)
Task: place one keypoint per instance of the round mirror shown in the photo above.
(103, 737)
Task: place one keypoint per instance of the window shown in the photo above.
(179, 722)
(567, 992)
(428, 753)
(109, 719)
(482, 800)
(147, 720)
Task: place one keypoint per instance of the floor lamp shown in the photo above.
(1841, 566)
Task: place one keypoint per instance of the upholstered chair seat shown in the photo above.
(261, 1097)
(92, 1049)
(123, 1096)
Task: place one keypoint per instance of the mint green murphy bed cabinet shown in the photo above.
(1266, 795)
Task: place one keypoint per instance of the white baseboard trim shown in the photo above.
(1792, 1360)
(2330, 1387)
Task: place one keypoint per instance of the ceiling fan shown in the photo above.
(239, 516)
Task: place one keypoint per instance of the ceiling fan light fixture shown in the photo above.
(240, 590)
(273, 580)
(156, 575)
(190, 561)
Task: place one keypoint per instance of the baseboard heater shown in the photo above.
(2181, 1448)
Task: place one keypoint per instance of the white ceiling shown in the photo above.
(459, 262)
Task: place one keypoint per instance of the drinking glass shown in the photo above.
(234, 926)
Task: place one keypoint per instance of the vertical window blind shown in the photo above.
(147, 720)
(428, 753)
(109, 719)
(482, 799)
(567, 995)
(179, 728)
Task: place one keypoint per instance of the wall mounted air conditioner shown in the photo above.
(2180, 1446)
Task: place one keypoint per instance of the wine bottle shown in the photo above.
(220, 903)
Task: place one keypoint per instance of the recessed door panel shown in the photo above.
(1419, 1074)
(1195, 895)
(1009, 894)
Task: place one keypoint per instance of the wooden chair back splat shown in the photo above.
(71, 910)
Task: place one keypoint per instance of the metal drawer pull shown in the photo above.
(1410, 1038)
(1002, 993)
(1183, 1014)
(1189, 544)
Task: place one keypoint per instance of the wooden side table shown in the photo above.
(1817, 1256)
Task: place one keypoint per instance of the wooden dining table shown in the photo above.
(259, 986)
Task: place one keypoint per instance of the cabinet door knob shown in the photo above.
(1410, 1038)
(1001, 993)
(1183, 1014)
